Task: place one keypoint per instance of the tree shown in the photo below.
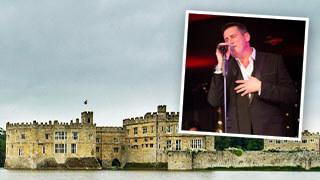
(255, 145)
(247, 144)
(2, 149)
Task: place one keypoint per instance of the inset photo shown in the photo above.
(243, 75)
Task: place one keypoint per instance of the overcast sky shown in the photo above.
(123, 56)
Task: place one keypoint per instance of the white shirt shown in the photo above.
(247, 71)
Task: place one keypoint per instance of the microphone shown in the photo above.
(223, 48)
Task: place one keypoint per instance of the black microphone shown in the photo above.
(223, 48)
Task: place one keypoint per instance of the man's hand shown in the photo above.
(248, 86)
(220, 55)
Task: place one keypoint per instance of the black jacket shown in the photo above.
(260, 114)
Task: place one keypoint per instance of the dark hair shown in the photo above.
(240, 26)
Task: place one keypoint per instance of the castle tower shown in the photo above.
(162, 109)
(87, 117)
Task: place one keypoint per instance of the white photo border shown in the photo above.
(306, 19)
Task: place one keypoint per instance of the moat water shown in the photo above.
(155, 175)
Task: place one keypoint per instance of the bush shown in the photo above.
(2, 149)
(236, 151)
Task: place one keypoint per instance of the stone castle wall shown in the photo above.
(309, 142)
(110, 146)
(227, 159)
(149, 138)
(145, 140)
(29, 145)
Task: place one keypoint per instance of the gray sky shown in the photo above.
(123, 56)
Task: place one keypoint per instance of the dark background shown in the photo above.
(285, 37)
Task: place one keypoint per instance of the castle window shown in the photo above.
(147, 145)
(178, 145)
(304, 141)
(152, 129)
(135, 130)
(116, 150)
(60, 148)
(169, 129)
(115, 140)
(97, 149)
(75, 135)
(177, 129)
(73, 148)
(151, 145)
(151, 138)
(142, 145)
(43, 149)
(46, 136)
(23, 136)
(196, 143)
(136, 140)
(146, 139)
(168, 144)
(278, 141)
(60, 135)
(144, 129)
(20, 152)
(97, 140)
(162, 128)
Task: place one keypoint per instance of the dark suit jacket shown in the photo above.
(260, 114)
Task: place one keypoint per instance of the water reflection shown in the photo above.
(155, 175)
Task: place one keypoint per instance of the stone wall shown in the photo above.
(51, 163)
(227, 159)
(309, 141)
(28, 144)
(110, 146)
(179, 160)
(144, 140)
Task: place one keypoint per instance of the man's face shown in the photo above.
(239, 42)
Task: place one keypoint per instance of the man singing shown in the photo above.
(257, 84)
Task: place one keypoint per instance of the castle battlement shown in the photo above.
(307, 133)
(109, 129)
(160, 115)
(136, 120)
(172, 115)
(150, 117)
(55, 124)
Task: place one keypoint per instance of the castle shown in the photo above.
(151, 140)
(34, 145)
(145, 140)
(309, 142)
